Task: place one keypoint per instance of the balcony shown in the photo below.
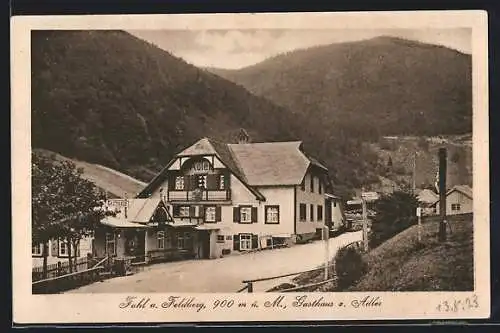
(199, 196)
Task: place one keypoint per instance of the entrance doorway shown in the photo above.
(135, 243)
(204, 244)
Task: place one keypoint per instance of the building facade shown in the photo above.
(58, 251)
(239, 197)
(458, 201)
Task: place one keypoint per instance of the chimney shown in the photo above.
(243, 136)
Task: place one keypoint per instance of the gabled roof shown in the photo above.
(139, 211)
(464, 189)
(271, 163)
(427, 196)
(254, 164)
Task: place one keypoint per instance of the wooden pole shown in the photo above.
(365, 223)
(327, 250)
(442, 194)
(419, 228)
(414, 172)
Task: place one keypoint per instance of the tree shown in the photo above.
(393, 213)
(65, 206)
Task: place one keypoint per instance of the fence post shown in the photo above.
(59, 268)
(250, 287)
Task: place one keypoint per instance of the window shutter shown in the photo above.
(254, 214)
(218, 214)
(171, 180)
(187, 183)
(236, 214)
(212, 182)
(236, 242)
(201, 211)
(255, 241)
(177, 210)
(55, 247)
(192, 211)
(227, 180)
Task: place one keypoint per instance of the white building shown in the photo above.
(458, 200)
(222, 197)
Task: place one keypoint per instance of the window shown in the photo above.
(311, 211)
(210, 213)
(245, 242)
(222, 184)
(63, 248)
(220, 238)
(455, 206)
(272, 214)
(161, 240)
(302, 212)
(320, 213)
(110, 243)
(246, 214)
(184, 211)
(37, 250)
(312, 184)
(229, 237)
(202, 181)
(183, 240)
(179, 183)
(335, 204)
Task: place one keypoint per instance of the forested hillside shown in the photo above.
(369, 88)
(110, 98)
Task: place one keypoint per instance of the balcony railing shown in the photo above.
(199, 195)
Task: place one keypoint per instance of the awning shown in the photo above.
(120, 223)
(207, 227)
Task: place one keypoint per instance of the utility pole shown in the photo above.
(365, 222)
(442, 194)
(414, 172)
(326, 234)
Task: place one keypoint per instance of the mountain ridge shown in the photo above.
(405, 83)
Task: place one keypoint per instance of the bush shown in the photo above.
(350, 267)
(393, 213)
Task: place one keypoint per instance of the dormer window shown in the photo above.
(202, 181)
(179, 183)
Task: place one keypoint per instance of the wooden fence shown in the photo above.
(66, 281)
(249, 284)
(60, 268)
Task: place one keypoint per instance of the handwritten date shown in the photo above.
(457, 305)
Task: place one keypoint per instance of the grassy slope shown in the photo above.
(401, 264)
(114, 182)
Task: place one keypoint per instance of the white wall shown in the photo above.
(275, 196)
(457, 197)
(336, 213)
(85, 248)
(307, 197)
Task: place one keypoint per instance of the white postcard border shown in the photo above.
(104, 308)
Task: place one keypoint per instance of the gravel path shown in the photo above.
(224, 274)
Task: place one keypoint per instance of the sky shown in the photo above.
(233, 49)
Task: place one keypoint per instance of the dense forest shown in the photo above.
(369, 88)
(110, 98)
